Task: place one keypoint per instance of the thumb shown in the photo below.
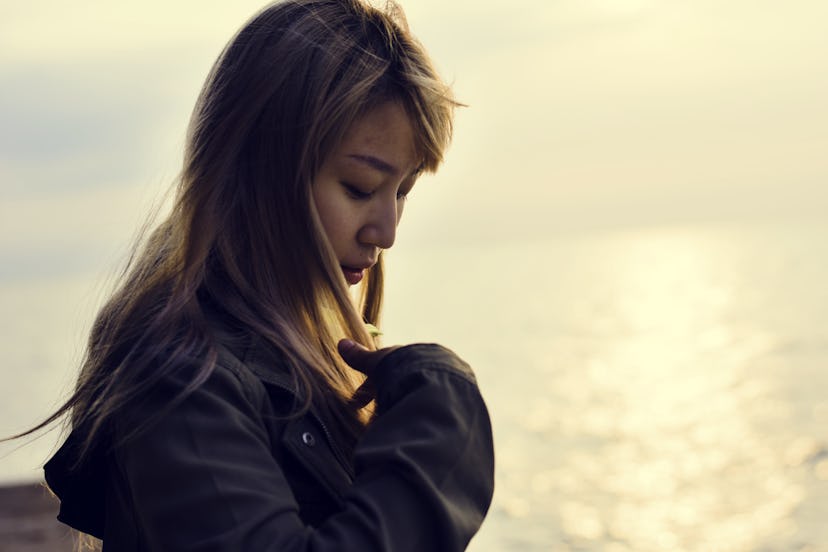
(360, 357)
(356, 355)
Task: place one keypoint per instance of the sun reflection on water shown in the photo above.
(659, 390)
(671, 401)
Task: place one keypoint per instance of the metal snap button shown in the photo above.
(308, 439)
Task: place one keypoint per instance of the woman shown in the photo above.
(223, 402)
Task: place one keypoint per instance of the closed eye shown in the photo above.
(355, 192)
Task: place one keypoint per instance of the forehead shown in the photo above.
(384, 133)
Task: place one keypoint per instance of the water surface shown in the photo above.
(659, 389)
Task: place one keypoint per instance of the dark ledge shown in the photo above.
(27, 520)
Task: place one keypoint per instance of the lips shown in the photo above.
(353, 275)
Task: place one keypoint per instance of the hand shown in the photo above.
(363, 360)
(360, 358)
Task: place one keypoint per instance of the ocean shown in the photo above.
(651, 389)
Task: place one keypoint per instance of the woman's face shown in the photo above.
(360, 189)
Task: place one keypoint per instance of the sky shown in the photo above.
(581, 115)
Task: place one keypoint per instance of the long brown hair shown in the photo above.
(243, 242)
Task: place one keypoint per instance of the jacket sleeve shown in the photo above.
(424, 468)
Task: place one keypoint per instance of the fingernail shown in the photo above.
(346, 345)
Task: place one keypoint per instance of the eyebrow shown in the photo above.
(375, 163)
(380, 165)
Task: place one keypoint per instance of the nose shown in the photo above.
(380, 229)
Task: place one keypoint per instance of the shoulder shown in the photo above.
(254, 375)
(231, 370)
(259, 370)
(220, 383)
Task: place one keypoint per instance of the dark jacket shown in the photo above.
(226, 471)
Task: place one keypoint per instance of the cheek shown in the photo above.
(325, 206)
(335, 218)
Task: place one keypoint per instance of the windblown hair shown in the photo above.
(243, 243)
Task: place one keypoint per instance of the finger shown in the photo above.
(357, 356)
